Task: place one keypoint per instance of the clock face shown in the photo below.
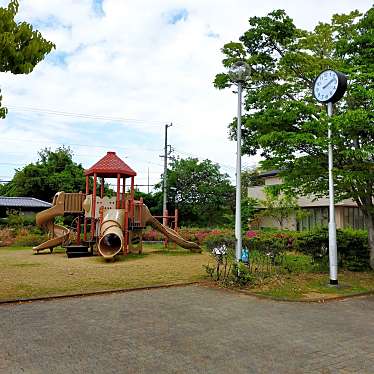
(325, 86)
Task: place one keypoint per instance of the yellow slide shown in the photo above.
(168, 232)
(45, 218)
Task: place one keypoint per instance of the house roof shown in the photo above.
(109, 166)
(23, 202)
(270, 173)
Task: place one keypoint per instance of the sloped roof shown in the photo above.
(109, 166)
(270, 173)
(23, 202)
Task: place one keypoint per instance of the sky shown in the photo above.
(123, 69)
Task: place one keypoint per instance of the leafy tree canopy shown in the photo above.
(152, 200)
(54, 171)
(249, 178)
(21, 47)
(200, 191)
(284, 122)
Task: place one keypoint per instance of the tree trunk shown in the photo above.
(370, 222)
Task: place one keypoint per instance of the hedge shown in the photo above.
(353, 250)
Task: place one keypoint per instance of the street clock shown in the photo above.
(329, 86)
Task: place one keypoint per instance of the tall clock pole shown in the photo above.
(333, 252)
(328, 88)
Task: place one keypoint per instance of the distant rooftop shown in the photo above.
(23, 202)
(270, 173)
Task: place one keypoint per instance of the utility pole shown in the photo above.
(165, 156)
(148, 181)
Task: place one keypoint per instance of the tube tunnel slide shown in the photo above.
(111, 241)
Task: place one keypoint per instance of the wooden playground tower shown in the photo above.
(111, 166)
(110, 224)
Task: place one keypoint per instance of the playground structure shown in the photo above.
(111, 225)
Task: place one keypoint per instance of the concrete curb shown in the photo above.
(96, 293)
(199, 283)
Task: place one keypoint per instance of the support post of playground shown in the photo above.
(93, 207)
(164, 184)
(85, 218)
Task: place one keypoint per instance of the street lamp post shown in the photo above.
(239, 73)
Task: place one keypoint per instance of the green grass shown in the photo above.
(314, 285)
(26, 275)
(295, 276)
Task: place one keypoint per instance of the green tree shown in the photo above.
(249, 178)
(21, 47)
(54, 171)
(248, 211)
(283, 121)
(281, 207)
(152, 200)
(200, 191)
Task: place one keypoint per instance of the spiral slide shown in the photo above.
(45, 218)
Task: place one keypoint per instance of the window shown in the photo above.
(313, 217)
(353, 217)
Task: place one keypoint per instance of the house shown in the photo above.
(347, 213)
(24, 205)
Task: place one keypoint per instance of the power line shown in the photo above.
(193, 155)
(98, 117)
(75, 144)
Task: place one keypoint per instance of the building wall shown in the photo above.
(317, 217)
(347, 213)
(270, 181)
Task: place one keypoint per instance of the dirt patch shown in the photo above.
(319, 295)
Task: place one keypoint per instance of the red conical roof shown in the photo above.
(109, 166)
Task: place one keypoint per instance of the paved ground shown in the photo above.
(186, 330)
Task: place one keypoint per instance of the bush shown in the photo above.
(226, 270)
(241, 274)
(197, 235)
(7, 237)
(218, 240)
(21, 237)
(353, 251)
(266, 255)
(29, 240)
(152, 236)
(20, 220)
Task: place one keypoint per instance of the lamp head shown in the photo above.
(239, 71)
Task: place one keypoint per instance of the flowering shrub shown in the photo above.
(196, 235)
(152, 236)
(21, 237)
(7, 237)
(251, 234)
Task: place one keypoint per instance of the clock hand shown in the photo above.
(332, 80)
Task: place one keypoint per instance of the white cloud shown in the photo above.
(130, 61)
